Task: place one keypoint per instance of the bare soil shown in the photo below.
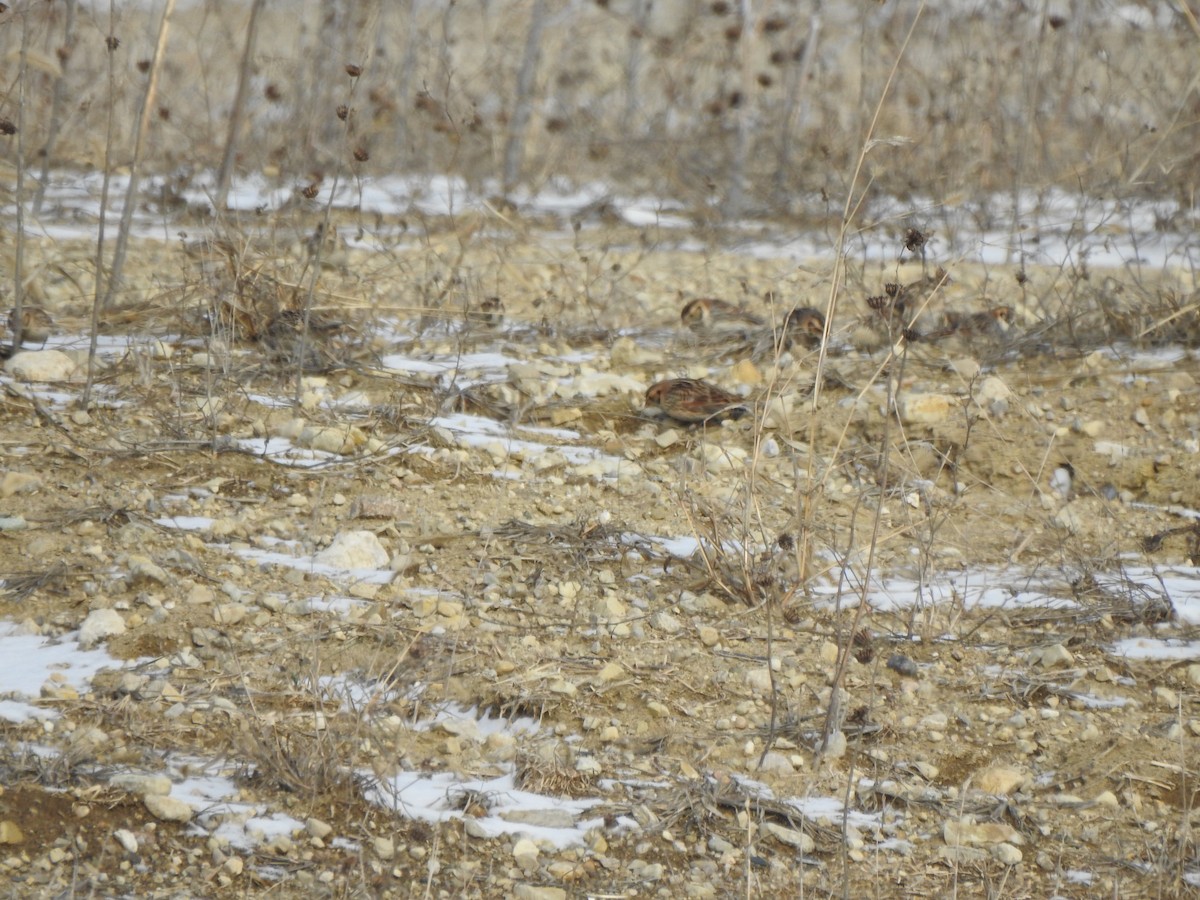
(647, 671)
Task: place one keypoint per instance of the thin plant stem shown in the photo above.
(160, 49)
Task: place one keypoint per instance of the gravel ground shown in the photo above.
(468, 620)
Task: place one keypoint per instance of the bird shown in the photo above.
(805, 325)
(490, 312)
(992, 324)
(35, 323)
(710, 315)
(692, 401)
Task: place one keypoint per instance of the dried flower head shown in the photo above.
(915, 240)
(310, 191)
(879, 303)
(343, 112)
(273, 93)
(112, 43)
(892, 289)
(7, 127)
(361, 154)
(353, 70)
(143, 65)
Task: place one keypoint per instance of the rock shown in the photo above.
(317, 828)
(1007, 854)
(665, 622)
(777, 764)
(99, 624)
(384, 848)
(710, 636)
(957, 832)
(902, 665)
(19, 483)
(354, 550)
(721, 458)
(340, 440)
(759, 680)
(145, 785)
(746, 372)
(667, 438)
(169, 809)
(525, 852)
(999, 780)
(126, 839)
(962, 855)
(10, 832)
(923, 409)
(543, 818)
(531, 892)
(42, 365)
(1164, 696)
(1055, 656)
(610, 671)
(1193, 674)
(229, 613)
(144, 567)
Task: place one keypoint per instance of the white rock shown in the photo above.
(923, 409)
(144, 785)
(1055, 656)
(126, 839)
(468, 729)
(759, 680)
(538, 892)
(99, 624)
(665, 622)
(1007, 854)
(992, 388)
(384, 848)
(169, 809)
(790, 836)
(42, 365)
(144, 567)
(317, 828)
(354, 550)
(720, 458)
(525, 852)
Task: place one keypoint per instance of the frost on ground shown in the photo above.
(452, 609)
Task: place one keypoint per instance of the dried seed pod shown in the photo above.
(353, 70)
(915, 240)
(112, 43)
(361, 154)
(343, 112)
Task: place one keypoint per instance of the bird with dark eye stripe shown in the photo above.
(992, 324)
(708, 315)
(692, 401)
(36, 325)
(805, 325)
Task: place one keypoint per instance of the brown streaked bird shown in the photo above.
(36, 325)
(490, 312)
(692, 401)
(708, 314)
(991, 324)
(806, 325)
